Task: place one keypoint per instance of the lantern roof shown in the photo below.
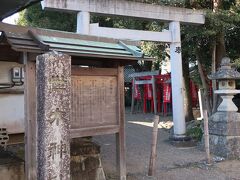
(225, 72)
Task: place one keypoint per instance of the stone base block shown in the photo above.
(225, 124)
(224, 130)
(86, 161)
(225, 146)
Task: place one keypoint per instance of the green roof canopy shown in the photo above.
(35, 40)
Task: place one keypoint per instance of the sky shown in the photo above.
(11, 19)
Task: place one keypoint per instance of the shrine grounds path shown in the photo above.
(172, 163)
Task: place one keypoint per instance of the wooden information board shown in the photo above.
(94, 108)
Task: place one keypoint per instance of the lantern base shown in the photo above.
(227, 103)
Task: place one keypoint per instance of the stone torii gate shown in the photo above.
(173, 15)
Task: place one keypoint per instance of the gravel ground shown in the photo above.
(172, 163)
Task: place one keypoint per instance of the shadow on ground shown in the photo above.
(172, 163)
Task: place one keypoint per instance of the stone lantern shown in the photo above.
(226, 77)
(224, 125)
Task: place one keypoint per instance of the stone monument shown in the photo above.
(85, 160)
(224, 125)
(53, 118)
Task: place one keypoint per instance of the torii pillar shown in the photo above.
(177, 81)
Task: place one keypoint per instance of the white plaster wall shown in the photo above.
(5, 74)
(12, 112)
(11, 104)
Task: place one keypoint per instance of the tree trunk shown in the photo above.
(218, 52)
(187, 95)
(206, 99)
(220, 48)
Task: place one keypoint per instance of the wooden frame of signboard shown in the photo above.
(91, 121)
(98, 106)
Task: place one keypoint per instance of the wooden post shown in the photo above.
(30, 118)
(204, 114)
(120, 137)
(153, 157)
(200, 98)
(154, 95)
(133, 93)
(206, 136)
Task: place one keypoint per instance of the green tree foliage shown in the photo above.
(199, 40)
(34, 16)
(207, 44)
